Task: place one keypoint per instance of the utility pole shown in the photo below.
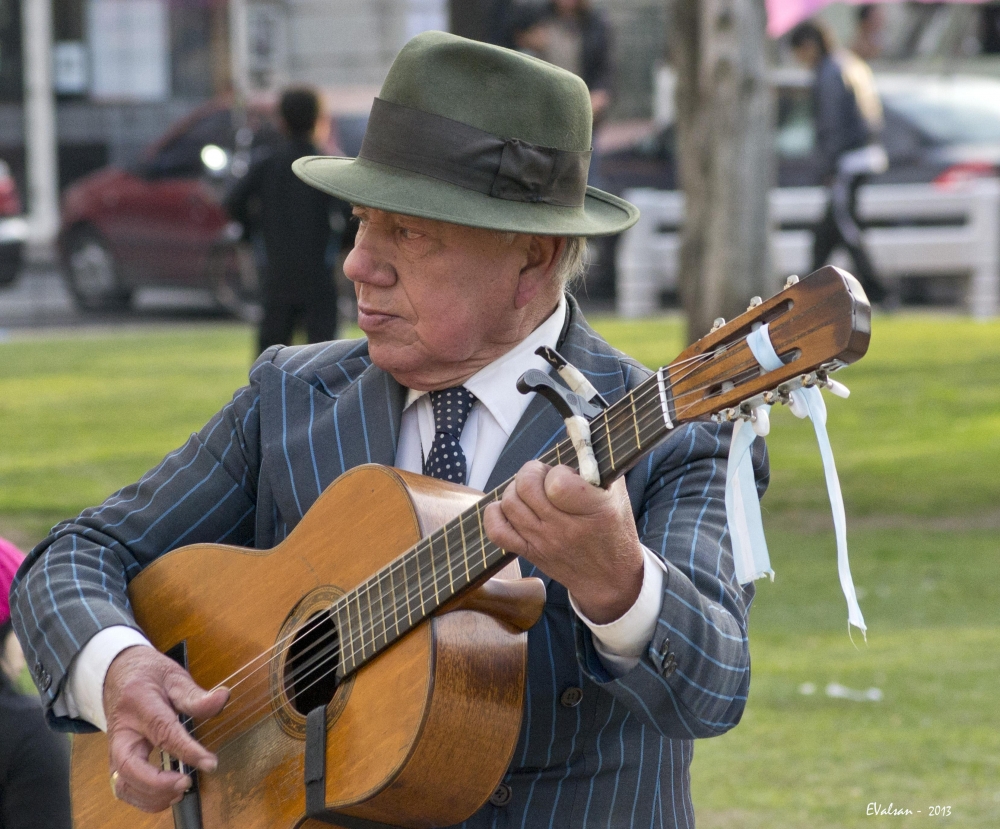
(726, 156)
(40, 124)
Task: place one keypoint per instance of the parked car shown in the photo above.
(938, 128)
(161, 221)
(13, 228)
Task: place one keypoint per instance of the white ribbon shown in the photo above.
(742, 505)
(743, 509)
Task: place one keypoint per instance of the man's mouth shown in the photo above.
(370, 317)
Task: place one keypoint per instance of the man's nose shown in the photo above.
(364, 265)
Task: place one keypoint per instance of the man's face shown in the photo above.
(439, 301)
(807, 54)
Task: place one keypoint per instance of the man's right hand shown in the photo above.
(144, 691)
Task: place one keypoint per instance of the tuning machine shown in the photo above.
(755, 409)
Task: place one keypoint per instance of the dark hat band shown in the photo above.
(473, 159)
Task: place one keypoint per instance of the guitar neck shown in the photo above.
(815, 326)
(459, 555)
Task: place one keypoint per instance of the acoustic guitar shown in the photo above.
(390, 614)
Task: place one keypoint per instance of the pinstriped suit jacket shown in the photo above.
(620, 756)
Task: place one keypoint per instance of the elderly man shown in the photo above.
(470, 192)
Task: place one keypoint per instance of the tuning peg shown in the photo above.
(792, 280)
(754, 302)
(718, 323)
(797, 406)
(761, 421)
(838, 389)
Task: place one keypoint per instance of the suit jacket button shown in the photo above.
(42, 677)
(571, 697)
(501, 795)
(669, 665)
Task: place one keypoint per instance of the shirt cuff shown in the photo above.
(621, 643)
(83, 695)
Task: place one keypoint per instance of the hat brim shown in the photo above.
(370, 184)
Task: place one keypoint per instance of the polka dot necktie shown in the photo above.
(446, 460)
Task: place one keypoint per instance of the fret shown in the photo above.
(345, 637)
(381, 609)
(358, 629)
(465, 550)
(405, 586)
(392, 590)
(482, 533)
(367, 626)
(437, 597)
(635, 419)
(420, 581)
(611, 450)
(447, 560)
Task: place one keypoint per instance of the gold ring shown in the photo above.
(114, 784)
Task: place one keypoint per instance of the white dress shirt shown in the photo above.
(497, 410)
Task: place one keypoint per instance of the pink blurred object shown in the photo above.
(784, 15)
(10, 560)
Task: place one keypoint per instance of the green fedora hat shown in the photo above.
(476, 135)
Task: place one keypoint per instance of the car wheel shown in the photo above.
(92, 274)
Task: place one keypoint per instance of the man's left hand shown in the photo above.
(582, 536)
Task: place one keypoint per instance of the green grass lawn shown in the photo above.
(917, 447)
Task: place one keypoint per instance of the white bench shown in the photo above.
(921, 230)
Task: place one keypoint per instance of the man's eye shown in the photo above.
(409, 234)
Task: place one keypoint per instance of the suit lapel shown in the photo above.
(320, 426)
(366, 418)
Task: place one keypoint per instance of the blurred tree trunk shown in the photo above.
(725, 156)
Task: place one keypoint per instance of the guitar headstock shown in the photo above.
(816, 325)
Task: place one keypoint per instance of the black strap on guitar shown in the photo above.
(315, 778)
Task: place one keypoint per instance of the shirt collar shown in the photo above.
(495, 385)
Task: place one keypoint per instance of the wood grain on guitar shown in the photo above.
(377, 605)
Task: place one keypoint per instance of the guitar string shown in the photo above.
(319, 652)
(316, 660)
(620, 416)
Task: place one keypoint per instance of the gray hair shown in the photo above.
(572, 263)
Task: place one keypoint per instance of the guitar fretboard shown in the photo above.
(439, 567)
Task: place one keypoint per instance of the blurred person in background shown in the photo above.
(575, 37)
(294, 220)
(34, 761)
(848, 117)
(869, 35)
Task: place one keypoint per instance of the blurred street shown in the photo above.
(39, 299)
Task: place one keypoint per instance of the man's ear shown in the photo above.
(538, 273)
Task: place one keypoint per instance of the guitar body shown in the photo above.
(418, 737)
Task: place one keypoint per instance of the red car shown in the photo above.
(161, 223)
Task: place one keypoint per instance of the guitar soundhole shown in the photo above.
(311, 668)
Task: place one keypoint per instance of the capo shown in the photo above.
(572, 375)
(576, 411)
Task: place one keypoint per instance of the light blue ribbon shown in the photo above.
(742, 505)
(743, 509)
